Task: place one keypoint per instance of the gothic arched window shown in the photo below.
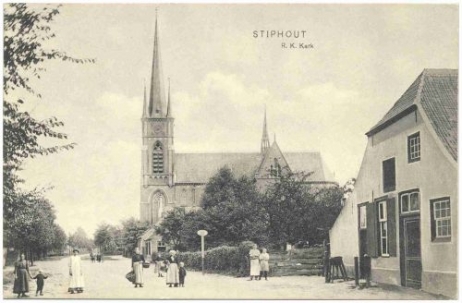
(157, 204)
(275, 170)
(157, 158)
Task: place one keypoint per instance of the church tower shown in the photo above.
(157, 153)
(265, 144)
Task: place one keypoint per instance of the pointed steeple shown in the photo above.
(264, 139)
(144, 100)
(156, 96)
(169, 110)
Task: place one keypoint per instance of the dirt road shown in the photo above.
(107, 281)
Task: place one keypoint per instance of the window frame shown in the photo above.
(434, 220)
(414, 149)
(408, 193)
(382, 220)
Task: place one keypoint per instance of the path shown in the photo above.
(107, 281)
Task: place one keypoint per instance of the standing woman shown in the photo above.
(264, 264)
(76, 283)
(137, 265)
(21, 277)
(254, 263)
(172, 271)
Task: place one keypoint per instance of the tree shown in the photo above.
(26, 31)
(59, 239)
(80, 240)
(106, 238)
(171, 227)
(132, 230)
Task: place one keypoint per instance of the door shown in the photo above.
(412, 253)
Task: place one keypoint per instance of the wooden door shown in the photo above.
(412, 253)
(362, 252)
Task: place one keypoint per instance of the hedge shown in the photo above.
(224, 259)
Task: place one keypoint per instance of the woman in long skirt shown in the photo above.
(21, 277)
(137, 265)
(172, 271)
(76, 281)
(254, 263)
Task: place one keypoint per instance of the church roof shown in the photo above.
(434, 92)
(200, 167)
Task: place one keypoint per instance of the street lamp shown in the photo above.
(202, 233)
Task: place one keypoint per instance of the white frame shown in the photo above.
(408, 194)
(414, 150)
(446, 218)
(383, 228)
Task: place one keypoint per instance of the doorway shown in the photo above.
(410, 247)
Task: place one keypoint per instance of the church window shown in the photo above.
(157, 158)
(275, 170)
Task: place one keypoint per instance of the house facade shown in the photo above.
(403, 212)
(170, 179)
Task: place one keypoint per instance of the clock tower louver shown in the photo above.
(157, 151)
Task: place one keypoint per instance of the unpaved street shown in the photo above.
(107, 281)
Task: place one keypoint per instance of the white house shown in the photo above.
(403, 211)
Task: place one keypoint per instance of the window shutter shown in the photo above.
(391, 222)
(432, 220)
(371, 230)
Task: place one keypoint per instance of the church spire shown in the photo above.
(156, 97)
(169, 110)
(144, 100)
(264, 139)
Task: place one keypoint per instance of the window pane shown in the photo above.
(404, 203)
(414, 201)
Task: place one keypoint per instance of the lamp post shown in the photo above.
(202, 233)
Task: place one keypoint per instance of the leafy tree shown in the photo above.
(171, 227)
(107, 238)
(132, 230)
(26, 31)
(80, 240)
(59, 239)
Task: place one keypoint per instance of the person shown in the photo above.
(76, 274)
(159, 263)
(172, 271)
(264, 264)
(254, 263)
(92, 257)
(21, 275)
(40, 282)
(182, 274)
(137, 265)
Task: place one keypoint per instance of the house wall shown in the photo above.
(435, 175)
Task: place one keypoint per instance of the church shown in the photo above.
(170, 179)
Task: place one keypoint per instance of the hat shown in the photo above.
(75, 250)
(172, 252)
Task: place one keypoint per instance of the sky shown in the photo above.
(322, 98)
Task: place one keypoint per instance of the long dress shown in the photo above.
(76, 282)
(254, 262)
(21, 284)
(172, 271)
(264, 264)
(137, 265)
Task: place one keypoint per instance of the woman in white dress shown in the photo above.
(264, 264)
(254, 263)
(137, 265)
(76, 283)
(172, 271)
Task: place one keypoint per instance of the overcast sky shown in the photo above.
(323, 98)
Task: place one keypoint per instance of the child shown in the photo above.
(40, 282)
(182, 274)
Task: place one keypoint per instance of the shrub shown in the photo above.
(223, 259)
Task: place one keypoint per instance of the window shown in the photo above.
(389, 178)
(410, 202)
(383, 228)
(275, 170)
(413, 147)
(441, 219)
(157, 159)
(362, 217)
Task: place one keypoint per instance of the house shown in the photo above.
(403, 212)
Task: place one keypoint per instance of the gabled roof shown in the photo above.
(434, 92)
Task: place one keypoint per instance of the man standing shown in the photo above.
(76, 275)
